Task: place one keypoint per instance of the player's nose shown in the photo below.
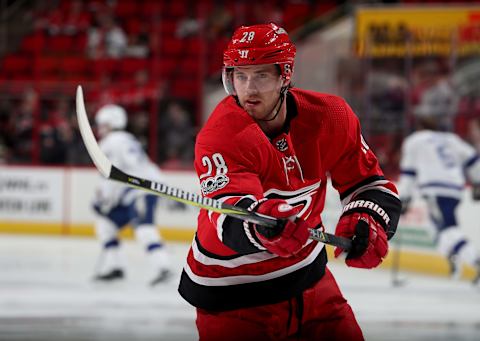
(251, 87)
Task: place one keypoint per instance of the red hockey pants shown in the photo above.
(321, 313)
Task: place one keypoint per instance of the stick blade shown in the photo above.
(96, 154)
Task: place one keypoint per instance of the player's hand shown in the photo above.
(405, 205)
(369, 240)
(290, 234)
(103, 207)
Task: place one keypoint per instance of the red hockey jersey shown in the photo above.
(227, 267)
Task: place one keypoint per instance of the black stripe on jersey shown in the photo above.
(229, 297)
(214, 255)
(390, 204)
(361, 184)
(471, 161)
(408, 172)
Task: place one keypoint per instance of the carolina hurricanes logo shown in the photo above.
(302, 198)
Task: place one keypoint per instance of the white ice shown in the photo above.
(46, 293)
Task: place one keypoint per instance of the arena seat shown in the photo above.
(16, 67)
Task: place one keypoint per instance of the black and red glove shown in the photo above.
(369, 240)
(289, 235)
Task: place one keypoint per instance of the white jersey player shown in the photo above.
(438, 164)
(117, 205)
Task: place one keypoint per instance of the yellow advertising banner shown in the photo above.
(417, 31)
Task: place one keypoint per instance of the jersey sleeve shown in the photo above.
(228, 171)
(469, 159)
(408, 171)
(356, 174)
(353, 161)
(408, 158)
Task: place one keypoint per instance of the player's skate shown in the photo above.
(163, 276)
(109, 266)
(112, 275)
(455, 266)
(160, 265)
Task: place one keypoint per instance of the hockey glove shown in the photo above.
(476, 192)
(289, 235)
(369, 240)
(405, 205)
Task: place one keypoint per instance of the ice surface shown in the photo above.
(46, 293)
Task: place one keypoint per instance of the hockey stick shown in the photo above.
(111, 172)
(396, 280)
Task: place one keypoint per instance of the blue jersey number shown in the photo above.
(446, 156)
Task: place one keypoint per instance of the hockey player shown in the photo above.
(268, 147)
(117, 205)
(438, 163)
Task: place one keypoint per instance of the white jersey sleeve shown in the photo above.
(126, 153)
(469, 158)
(408, 172)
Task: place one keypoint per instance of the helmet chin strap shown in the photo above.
(283, 93)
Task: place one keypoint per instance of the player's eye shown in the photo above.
(240, 77)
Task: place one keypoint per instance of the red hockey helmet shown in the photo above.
(257, 45)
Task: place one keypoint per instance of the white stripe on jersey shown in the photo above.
(293, 197)
(365, 146)
(303, 191)
(230, 263)
(233, 280)
(221, 218)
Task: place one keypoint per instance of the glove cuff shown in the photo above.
(370, 207)
(250, 228)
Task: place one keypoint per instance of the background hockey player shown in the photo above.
(268, 147)
(438, 163)
(117, 205)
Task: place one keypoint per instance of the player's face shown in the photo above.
(258, 88)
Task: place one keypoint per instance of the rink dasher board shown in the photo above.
(57, 200)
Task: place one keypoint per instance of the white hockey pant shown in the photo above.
(451, 240)
(110, 257)
(149, 238)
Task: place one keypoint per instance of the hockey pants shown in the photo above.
(320, 313)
